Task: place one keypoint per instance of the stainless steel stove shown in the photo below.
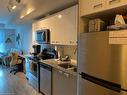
(33, 66)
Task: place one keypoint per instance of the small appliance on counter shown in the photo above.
(49, 53)
(37, 50)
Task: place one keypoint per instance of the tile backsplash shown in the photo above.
(63, 50)
(67, 50)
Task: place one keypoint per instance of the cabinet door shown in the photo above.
(33, 27)
(56, 29)
(64, 27)
(70, 18)
(115, 3)
(91, 6)
(36, 26)
(63, 83)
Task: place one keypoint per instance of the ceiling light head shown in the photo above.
(12, 4)
(13, 7)
(21, 16)
(18, 1)
(59, 16)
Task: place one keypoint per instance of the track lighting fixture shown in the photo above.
(18, 1)
(12, 4)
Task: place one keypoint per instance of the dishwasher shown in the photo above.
(45, 79)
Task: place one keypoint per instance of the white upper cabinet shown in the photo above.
(33, 32)
(91, 6)
(115, 3)
(62, 26)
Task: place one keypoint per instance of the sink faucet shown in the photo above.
(66, 58)
(75, 50)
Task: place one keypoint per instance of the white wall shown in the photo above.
(25, 32)
(4, 35)
(9, 33)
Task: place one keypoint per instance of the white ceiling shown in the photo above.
(5, 15)
(42, 8)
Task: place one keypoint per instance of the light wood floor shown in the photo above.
(11, 84)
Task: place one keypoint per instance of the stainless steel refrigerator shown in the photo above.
(102, 67)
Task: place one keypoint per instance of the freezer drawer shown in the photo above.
(89, 88)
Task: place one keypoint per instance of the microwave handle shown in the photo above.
(43, 35)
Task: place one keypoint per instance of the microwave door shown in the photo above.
(38, 36)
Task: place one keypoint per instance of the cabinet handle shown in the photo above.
(53, 41)
(66, 74)
(61, 72)
(72, 42)
(57, 41)
(98, 5)
(113, 1)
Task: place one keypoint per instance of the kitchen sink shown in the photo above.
(66, 65)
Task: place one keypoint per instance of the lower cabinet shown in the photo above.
(45, 79)
(63, 83)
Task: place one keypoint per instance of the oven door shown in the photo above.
(33, 74)
(34, 68)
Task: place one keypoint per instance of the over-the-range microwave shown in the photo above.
(42, 36)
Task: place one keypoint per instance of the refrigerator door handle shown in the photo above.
(123, 89)
(103, 83)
